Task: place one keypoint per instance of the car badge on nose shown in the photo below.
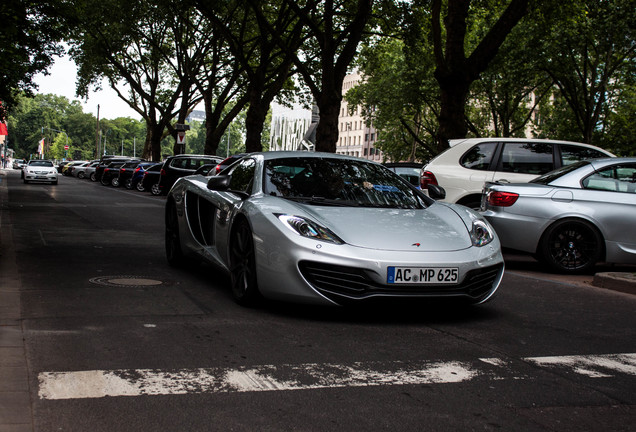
(416, 244)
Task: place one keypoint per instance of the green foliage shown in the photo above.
(29, 35)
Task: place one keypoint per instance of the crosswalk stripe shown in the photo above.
(136, 382)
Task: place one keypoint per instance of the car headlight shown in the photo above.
(308, 228)
(481, 233)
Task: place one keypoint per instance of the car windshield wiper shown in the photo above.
(317, 200)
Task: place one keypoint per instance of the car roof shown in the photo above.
(470, 141)
(271, 155)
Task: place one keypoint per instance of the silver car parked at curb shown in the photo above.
(570, 218)
(327, 229)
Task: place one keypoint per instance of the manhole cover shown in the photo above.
(124, 281)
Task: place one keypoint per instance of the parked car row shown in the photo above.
(135, 173)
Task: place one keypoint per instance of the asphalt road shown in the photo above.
(115, 340)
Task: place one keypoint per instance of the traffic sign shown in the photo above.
(65, 147)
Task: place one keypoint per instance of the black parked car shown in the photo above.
(179, 166)
(110, 172)
(138, 175)
(126, 172)
(105, 161)
(150, 177)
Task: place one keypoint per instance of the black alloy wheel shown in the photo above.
(243, 265)
(571, 246)
(174, 254)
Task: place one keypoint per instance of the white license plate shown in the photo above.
(422, 275)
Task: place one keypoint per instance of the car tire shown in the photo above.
(174, 253)
(104, 181)
(114, 182)
(81, 175)
(155, 189)
(243, 265)
(128, 184)
(54, 182)
(571, 246)
(140, 187)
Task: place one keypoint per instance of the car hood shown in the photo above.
(436, 228)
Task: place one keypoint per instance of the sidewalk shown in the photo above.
(15, 404)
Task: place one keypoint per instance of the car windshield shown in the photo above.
(342, 182)
(548, 178)
(41, 163)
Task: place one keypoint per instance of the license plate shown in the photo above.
(422, 275)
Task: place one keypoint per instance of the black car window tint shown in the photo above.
(243, 176)
(179, 163)
(527, 158)
(479, 156)
(572, 153)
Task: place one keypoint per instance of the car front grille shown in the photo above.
(341, 283)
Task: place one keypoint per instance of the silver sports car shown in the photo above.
(571, 218)
(321, 228)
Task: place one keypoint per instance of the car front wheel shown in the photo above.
(243, 265)
(571, 246)
(155, 189)
(174, 254)
(115, 182)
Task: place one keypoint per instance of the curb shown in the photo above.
(616, 281)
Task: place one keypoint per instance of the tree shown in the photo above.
(253, 32)
(455, 70)
(29, 39)
(591, 56)
(335, 28)
(144, 45)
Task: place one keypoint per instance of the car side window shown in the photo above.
(243, 176)
(617, 178)
(572, 153)
(479, 157)
(527, 158)
(180, 163)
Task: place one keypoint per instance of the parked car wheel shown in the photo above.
(92, 177)
(174, 255)
(128, 184)
(140, 187)
(243, 266)
(104, 181)
(571, 246)
(114, 182)
(155, 189)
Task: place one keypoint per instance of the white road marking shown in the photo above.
(136, 382)
(594, 366)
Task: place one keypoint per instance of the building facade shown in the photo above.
(294, 128)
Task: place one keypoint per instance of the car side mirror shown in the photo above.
(436, 192)
(219, 183)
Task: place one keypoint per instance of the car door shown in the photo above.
(228, 204)
(609, 198)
